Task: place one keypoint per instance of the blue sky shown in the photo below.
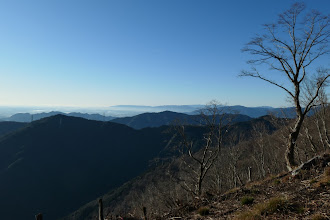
(114, 52)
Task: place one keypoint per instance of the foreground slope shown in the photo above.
(57, 164)
(304, 195)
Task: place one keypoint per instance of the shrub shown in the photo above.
(249, 215)
(295, 207)
(276, 182)
(274, 204)
(203, 211)
(247, 200)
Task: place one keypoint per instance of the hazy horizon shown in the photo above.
(115, 111)
(128, 105)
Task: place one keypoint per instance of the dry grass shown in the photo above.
(274, 205)
(233, 190)
(267, 179)
(203, 211)
(248, 216)
(318, 217)
(327, 171)
(325, 179)
(286, 179)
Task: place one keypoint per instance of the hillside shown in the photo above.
(8, 126)
(59, 163)
(251, 154)
(305, 195)
(154, 188)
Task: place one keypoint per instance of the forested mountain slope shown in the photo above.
(9, 126)
(59, 163)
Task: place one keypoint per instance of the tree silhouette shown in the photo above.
(290, 47)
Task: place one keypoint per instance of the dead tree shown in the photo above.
(39, 216)
(234, 154)
(291, 55)
(199, 163)
(249, 174)
(317, 137)
(101, 210)
(144, 209)
(321, 114)
(259, 132)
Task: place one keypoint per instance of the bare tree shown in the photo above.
(289, 47)
(200, 162)
(321, 115)
(234, 155)
(258, 156)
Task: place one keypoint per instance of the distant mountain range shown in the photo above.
(131, 110)
(27, 117)
(167, 118)
(254, 112)
(139, 112)
(137, 122)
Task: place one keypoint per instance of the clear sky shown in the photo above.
(138, 52)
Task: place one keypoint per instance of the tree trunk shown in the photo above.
(39, 216)
(289, 154)
(200, 180)
(145, 213)
(100, 210)
(327, 139)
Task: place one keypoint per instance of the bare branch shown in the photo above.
(257, 75)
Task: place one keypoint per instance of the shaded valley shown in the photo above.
(57, 164)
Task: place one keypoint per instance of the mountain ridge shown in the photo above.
(157, 119)
(56, 164)
(28, 117)
(134, 110)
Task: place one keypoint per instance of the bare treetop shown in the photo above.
(307, 39)
(289, 47)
